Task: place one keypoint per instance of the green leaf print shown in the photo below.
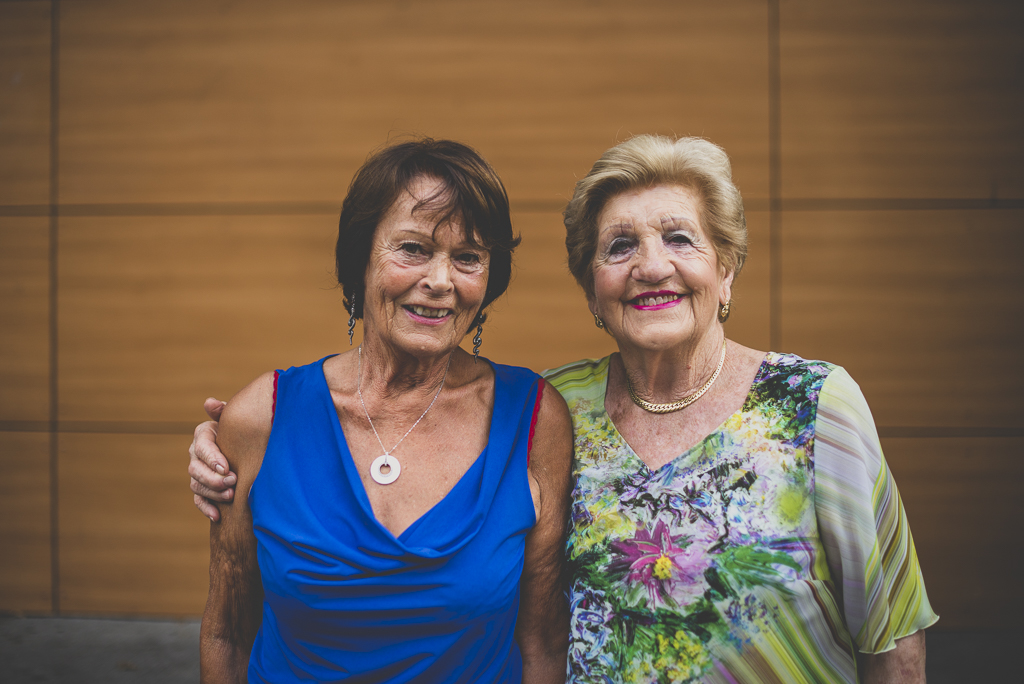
(748, 566)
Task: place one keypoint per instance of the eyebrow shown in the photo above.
(417, 233)
(676, 220)
(667, 219)
(429, 235)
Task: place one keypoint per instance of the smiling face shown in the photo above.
(657, 280)
(424, 286)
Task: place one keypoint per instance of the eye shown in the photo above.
(678, 239)
(468, 258)
(411, 248)
(619, 246)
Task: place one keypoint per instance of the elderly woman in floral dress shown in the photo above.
(734, 519)
(733, 516)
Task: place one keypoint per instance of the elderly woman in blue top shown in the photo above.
(400, 507)
(733, 517)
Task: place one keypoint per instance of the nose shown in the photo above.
(652, 263)
(439, 278)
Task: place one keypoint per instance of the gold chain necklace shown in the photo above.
(682, 403)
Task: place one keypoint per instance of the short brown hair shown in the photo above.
(645, 161)
(470, 192)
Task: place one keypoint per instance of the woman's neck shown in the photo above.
(388, 372)
(667, 375)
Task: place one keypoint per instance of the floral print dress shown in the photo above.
(769, 552)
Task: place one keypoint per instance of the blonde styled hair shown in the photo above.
(645, 161)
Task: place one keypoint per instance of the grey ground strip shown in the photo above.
(99, 651)
(88, 651)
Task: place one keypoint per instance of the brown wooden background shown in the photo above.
(170, 175)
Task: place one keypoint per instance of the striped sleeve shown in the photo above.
(862, 523)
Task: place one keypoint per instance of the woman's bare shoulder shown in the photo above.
(552, 439)
(246, 422)
(471, 380)
(553, 405)
(745, 357)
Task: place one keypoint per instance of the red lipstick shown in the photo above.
(675, 299)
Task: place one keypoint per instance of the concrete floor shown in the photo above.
(81, 651)
(90, 651)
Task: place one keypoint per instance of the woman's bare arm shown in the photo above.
(234, 605)
(543, 626)
(902, 665)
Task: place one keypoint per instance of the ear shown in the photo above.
(592, 304)
(725, 289)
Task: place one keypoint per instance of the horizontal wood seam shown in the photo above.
(800, 204)
(186, 428)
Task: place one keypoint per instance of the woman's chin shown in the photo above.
(655, 337)
(652, 343)
(424, 344)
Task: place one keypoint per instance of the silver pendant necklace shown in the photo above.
(386, 460)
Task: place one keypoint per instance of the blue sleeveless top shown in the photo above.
(347, 601)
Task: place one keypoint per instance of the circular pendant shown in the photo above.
(385, 461)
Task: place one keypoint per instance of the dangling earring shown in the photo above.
(598, 322)
(477, 340)
(723, 311)
(351, 320)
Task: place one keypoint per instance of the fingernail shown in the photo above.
(219, 468)
(230, 480)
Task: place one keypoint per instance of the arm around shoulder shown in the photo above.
(234, 604)
(543, 627)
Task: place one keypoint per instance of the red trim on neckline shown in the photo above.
(273, 402)
(533, 421)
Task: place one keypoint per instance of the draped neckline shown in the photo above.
(359, 489)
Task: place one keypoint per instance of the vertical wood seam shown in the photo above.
(774, 180)
(53, 273)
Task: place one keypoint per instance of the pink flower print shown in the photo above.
(660, 562)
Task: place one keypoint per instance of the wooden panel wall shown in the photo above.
(901, 233)
(170, 175)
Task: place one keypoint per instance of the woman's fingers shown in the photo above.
(206, 463)
(206, 508)
(210, 494)
(211, 480)
(214, 407)
(206, 477)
